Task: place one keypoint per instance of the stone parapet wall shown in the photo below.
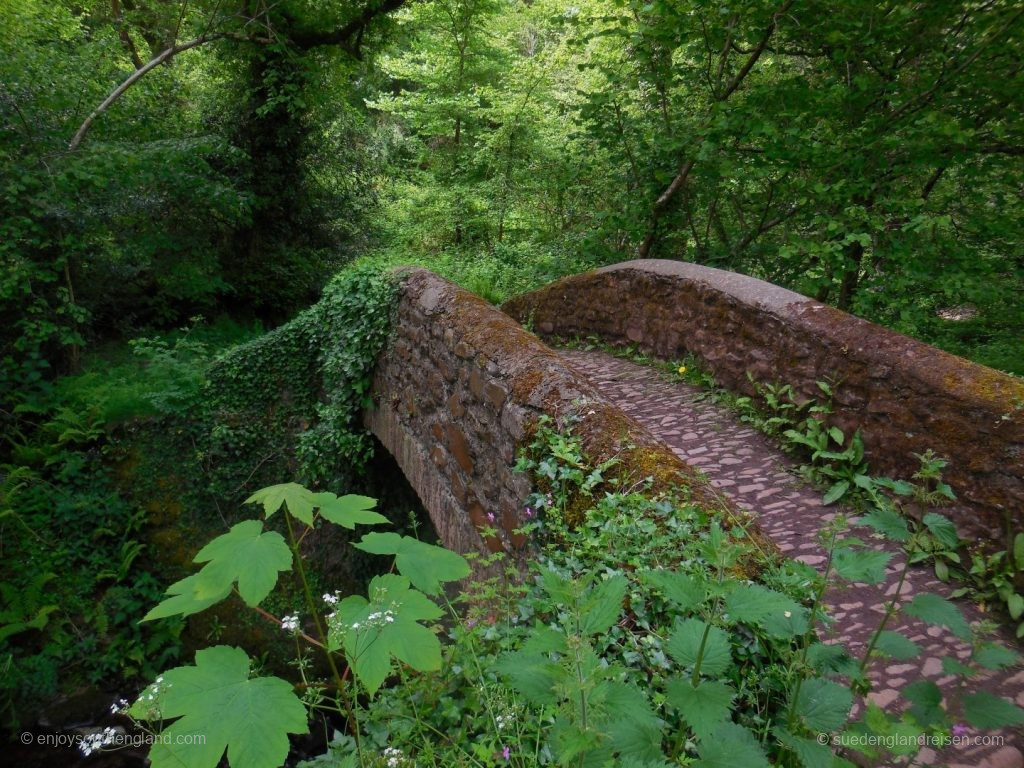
(458, 392)
(905, 396)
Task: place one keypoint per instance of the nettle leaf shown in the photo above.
(832, 659)
(245, 555)
(386, 626)
(349, 511)
(860, 565)
(682, 590)
(249, 717)
(754, 604)
(809, 752)
(702, 707)
(730, 746)
(684, 644)
(425, 565)
(926, 702)
(823, 705)
(299, 500)
(986, 710)
(634, 730)
(897, 646)
(888, 522)
(933, 609)
(942, 528)
(536, 677)
(992, 656)
(601, 607)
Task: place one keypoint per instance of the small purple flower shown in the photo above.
(960, 730)
(528, 513)
(505, 753)
(490, 516)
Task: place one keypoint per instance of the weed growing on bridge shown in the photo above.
(636, 640)
(837, 463)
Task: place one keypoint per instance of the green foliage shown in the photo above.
(386, 626)
(74, 572)
(245, 555)
(425, 565)
(217, 705)
(297, 392)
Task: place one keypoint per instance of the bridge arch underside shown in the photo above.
(905, 396)
(458, 392)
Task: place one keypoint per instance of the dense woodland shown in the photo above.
(179, 176)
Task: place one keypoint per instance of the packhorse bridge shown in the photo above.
(462, 382)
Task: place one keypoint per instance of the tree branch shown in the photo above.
(131, 80)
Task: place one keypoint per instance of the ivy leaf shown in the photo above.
(684, 644)
(702, 707)
(932, 609)
(349, 511)
(986, 710)
(425, 565)
(942, 528)
(888, 522)
(861, 565)
(823, 705)
(246, 555)
(249, 717)
(602, 606)
(682, 590)
(374, 631)
(299, 500)
(897, 646)
(730, 746)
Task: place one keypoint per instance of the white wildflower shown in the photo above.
(290, 623)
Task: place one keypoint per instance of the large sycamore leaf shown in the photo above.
(425, 565)
(349, 511)
(245, 554)
(299, 500)
(218, 702)
(374, 631)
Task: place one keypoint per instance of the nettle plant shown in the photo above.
(362, 638)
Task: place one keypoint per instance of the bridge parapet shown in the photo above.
(905, 396)
(458, 392)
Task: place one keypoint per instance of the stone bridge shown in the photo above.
(462, 383)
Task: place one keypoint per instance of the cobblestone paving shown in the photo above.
(758, 477)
